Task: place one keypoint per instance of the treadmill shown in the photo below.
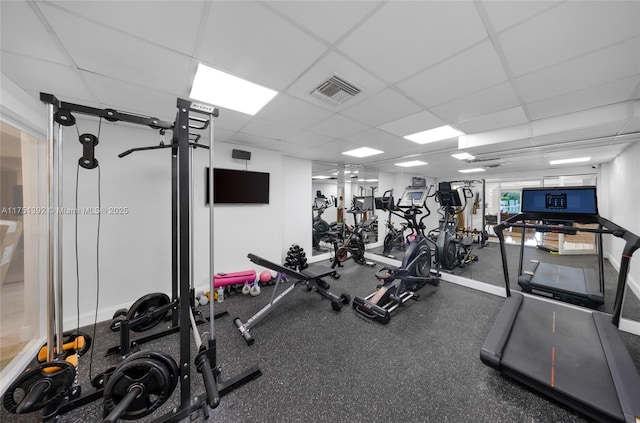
(547, 206)
(571, 354)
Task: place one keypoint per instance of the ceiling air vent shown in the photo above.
(335, 90)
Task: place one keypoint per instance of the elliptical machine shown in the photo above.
(399, 285)
(322, 231)
(451, 249)
(394, 238)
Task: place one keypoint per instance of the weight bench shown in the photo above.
(310, 277)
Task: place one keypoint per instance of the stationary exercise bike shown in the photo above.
(354, 244)
(451, 249)
(399, 285)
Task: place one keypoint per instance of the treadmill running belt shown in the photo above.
(558, 347)
(562, 278)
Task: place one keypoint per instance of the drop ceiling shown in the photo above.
(527, 81)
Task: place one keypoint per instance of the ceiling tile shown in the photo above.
(232, 120)
(250, 41)
(107, 52)
(308, 139)
(329, 20)
(266, 128)
(28, 74)
(381, 108)
(330, 64)
(221, 134)
(340, 146)
(337, 126)
(288, 148)
(169, 23)
(33, 39)
(132, 98)
(600, 95)
(503, 14)
(291, 111)
(491, 100)
(463, 74)
(383, 141)
(412, 124)
(606, 65)
(320, 155)
(252, 140)
(501, 119)
(403, 38)
(567, 31)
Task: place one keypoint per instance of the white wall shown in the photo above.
(619, 189)
(135, 246)
(297, 199)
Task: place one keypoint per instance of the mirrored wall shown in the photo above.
(335, 188)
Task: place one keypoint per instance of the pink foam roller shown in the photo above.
(224, 279)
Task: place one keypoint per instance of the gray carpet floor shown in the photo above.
(319, 365)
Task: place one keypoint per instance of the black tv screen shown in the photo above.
(239, 187)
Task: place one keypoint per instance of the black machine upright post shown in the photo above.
(181, 138)
(175, 291)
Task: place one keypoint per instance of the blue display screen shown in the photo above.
(566, 200)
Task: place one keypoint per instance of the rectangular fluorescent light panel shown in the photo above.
(565, 161)
(475, 169)
(363, 152)
(224, 90)
(411, 163)
(321, 177)
(463, 156)
(435, 134)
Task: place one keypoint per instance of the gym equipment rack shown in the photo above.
(181, 146)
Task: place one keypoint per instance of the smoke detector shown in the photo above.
(335, 90)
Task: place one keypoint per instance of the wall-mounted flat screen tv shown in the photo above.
(238, 187)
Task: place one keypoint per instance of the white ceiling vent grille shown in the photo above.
(335, 90)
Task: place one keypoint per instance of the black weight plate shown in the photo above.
(120, 313)
(164, 358)
(146, 304)
(149, 374)
(117, 318)
(57, 385)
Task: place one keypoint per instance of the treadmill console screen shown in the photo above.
(564, 200)
(413, 197)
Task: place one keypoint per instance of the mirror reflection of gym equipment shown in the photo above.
(351, 244)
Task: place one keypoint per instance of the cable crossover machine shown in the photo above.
(144, 380)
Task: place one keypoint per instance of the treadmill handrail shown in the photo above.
(632, 243)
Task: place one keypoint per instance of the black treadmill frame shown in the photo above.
(618, 360)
